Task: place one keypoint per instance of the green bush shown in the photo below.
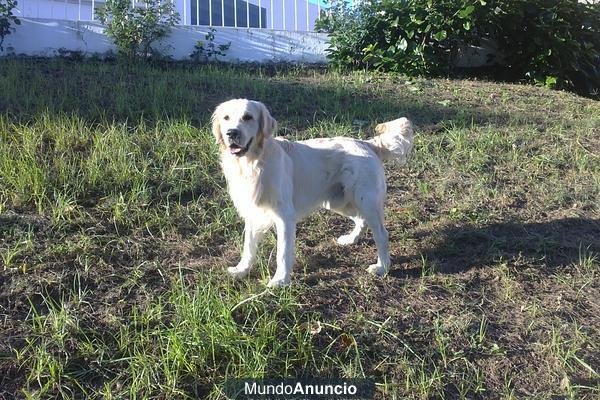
(6, 19)
(553, 42)
(415, 37)
(135, 29)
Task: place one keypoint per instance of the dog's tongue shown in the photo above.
(235, 150)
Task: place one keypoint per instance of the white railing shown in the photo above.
(288, 15)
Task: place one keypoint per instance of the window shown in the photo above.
(199, 13)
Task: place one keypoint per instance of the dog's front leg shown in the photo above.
(253, 235)
(286, 236)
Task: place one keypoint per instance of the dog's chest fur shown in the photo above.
(245, 188)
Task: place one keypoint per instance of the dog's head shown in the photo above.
(241, 126)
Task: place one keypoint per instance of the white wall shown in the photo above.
(59, 9)
(43, 37)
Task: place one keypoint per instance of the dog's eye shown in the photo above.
(247, 117)
(226, 118)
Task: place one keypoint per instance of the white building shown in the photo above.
(289, 15)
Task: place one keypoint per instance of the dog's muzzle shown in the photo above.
(238, 150)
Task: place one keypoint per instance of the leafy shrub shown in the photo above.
(415, 37)
(553, 42)
(135, 29)
(7, 18)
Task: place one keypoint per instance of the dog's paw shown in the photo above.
(347, 239)
(278, 282)
(238, 272)
(376, 269)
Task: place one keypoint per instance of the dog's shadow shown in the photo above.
(553, 244)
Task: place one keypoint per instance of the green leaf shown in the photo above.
(551, 81)
(466, 12)
(402, 44)
(441, 35)
(415, 19)
(369, 48)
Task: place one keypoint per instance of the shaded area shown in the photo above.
(97, 92)
(552, 244)
(506, 299)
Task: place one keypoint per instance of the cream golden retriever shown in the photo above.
(274, 181)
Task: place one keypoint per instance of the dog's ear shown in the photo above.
(267, 122)
(381, 128)
(216, 129)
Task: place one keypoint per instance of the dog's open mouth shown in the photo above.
(238, 150)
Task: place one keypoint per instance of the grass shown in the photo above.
(115, 230)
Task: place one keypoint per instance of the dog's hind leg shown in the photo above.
(352, 237)
(348, 210)
(253, 235)
(371, 209)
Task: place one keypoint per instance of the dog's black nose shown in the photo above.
(233, 133)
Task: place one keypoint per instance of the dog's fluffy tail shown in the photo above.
(395, 139)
